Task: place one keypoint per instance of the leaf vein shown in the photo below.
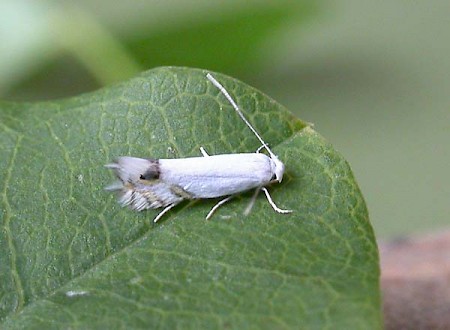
(6, 225)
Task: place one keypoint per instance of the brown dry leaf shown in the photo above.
(415, 282)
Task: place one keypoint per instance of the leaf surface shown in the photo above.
(72, 257)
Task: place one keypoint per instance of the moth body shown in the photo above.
(219, 175)
(156, 183)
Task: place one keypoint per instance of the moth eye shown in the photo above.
(142, 177)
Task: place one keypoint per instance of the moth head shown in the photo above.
(277, 168)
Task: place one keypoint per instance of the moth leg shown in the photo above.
(203, 151)
(271, 202)
(252, 202)
(261, 148)
(219, 204)
(159, 216)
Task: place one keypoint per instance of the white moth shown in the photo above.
(155, 183)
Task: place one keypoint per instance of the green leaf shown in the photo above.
(71, 257)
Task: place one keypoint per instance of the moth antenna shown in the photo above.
(235, 106)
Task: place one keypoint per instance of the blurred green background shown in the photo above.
(373, 76)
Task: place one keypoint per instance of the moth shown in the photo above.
(164, 183)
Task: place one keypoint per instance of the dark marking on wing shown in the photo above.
(153, 172)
